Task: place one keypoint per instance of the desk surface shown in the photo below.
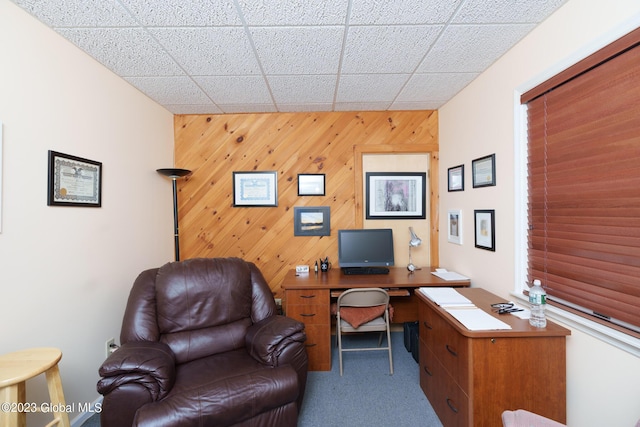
(397, 278)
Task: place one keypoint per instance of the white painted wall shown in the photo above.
(65, 272)
(603, 383)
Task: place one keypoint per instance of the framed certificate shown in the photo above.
(484, 171)
(74, 181)
(255, 189)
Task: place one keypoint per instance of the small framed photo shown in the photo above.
(311, 184)
(454, 226)
(485, 229)
(400, 195)
(74, 181)
(312, 221)
(255, 189)
(456, 178)
(484, 171)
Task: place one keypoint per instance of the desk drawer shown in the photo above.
(448, 400)
(309, 314)
(307, 296)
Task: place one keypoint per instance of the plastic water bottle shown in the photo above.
(538, 302)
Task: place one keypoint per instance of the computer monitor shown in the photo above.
(371, 247)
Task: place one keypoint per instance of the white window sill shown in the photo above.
(610, 336)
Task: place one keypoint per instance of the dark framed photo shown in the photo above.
(312, 221)
(484, 171)
(255, 189)
(485, 229)
(400, 195)
(74, 181)
(456, 178)
(311, 184)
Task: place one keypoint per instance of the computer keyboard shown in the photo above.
(365, 270)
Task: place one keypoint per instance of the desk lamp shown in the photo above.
(174, 174)
(414, 242)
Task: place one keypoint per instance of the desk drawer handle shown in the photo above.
(450, 350)
(310, 345)
(307, 296)
(427, 371)
(307, 315)
(450, 405)
(426, 325)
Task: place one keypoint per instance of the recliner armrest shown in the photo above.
(267, 339)
(146, 363)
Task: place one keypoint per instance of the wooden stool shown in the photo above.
(15, 369)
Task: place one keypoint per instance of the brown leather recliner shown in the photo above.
(201, 345)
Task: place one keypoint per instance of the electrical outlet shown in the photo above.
(279, 302)
(109, 345)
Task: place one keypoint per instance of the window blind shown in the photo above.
(584, 185)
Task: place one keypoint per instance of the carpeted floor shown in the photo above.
(366, 395)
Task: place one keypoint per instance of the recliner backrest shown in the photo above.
(198, 307)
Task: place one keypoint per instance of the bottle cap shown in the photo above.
(536, 282)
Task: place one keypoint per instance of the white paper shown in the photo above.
(448, 275)
(477, 320)
(446, 297)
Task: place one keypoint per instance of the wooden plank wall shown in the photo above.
(213, 146)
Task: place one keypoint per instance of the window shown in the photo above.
(584, 185)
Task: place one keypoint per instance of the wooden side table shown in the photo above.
(15, 369)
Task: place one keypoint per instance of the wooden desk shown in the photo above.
(308, 299)
(470, 377)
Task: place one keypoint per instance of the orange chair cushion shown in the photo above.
(357, 316)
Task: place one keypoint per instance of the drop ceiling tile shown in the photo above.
(376, 12)
(471, 48)
(303, 108)
(294, 12)
(125, 51)
(183, 12)
(248, 108)
(303, 89)
(370, 87)
(78, 13)
(235, 89)
(425, 105)
(193, 108)
(434, 86)
(170, 90)
(388, 49)
(209, 51)
(298, 50)
(506, 11)
(361, 106)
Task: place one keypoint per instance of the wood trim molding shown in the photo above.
(433, 151)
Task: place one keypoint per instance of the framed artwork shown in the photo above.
(311, 184)
(400, 195)
(454, 226)
(312, 221)
(485, 229)
(456, 178)
(73, 181)
(255, 189)
(484, 171)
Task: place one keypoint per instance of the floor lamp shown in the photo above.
(174, 174)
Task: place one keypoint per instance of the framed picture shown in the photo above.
(311, 184)
(484, 171)
(456, 178)
(312, 221)
(485, 229)
(255, 189)
(73, 181)
(400, 195)
(454, 226)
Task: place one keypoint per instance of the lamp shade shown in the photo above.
(173, 173)
(415, 240)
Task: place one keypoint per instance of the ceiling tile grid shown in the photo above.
(235, 56)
